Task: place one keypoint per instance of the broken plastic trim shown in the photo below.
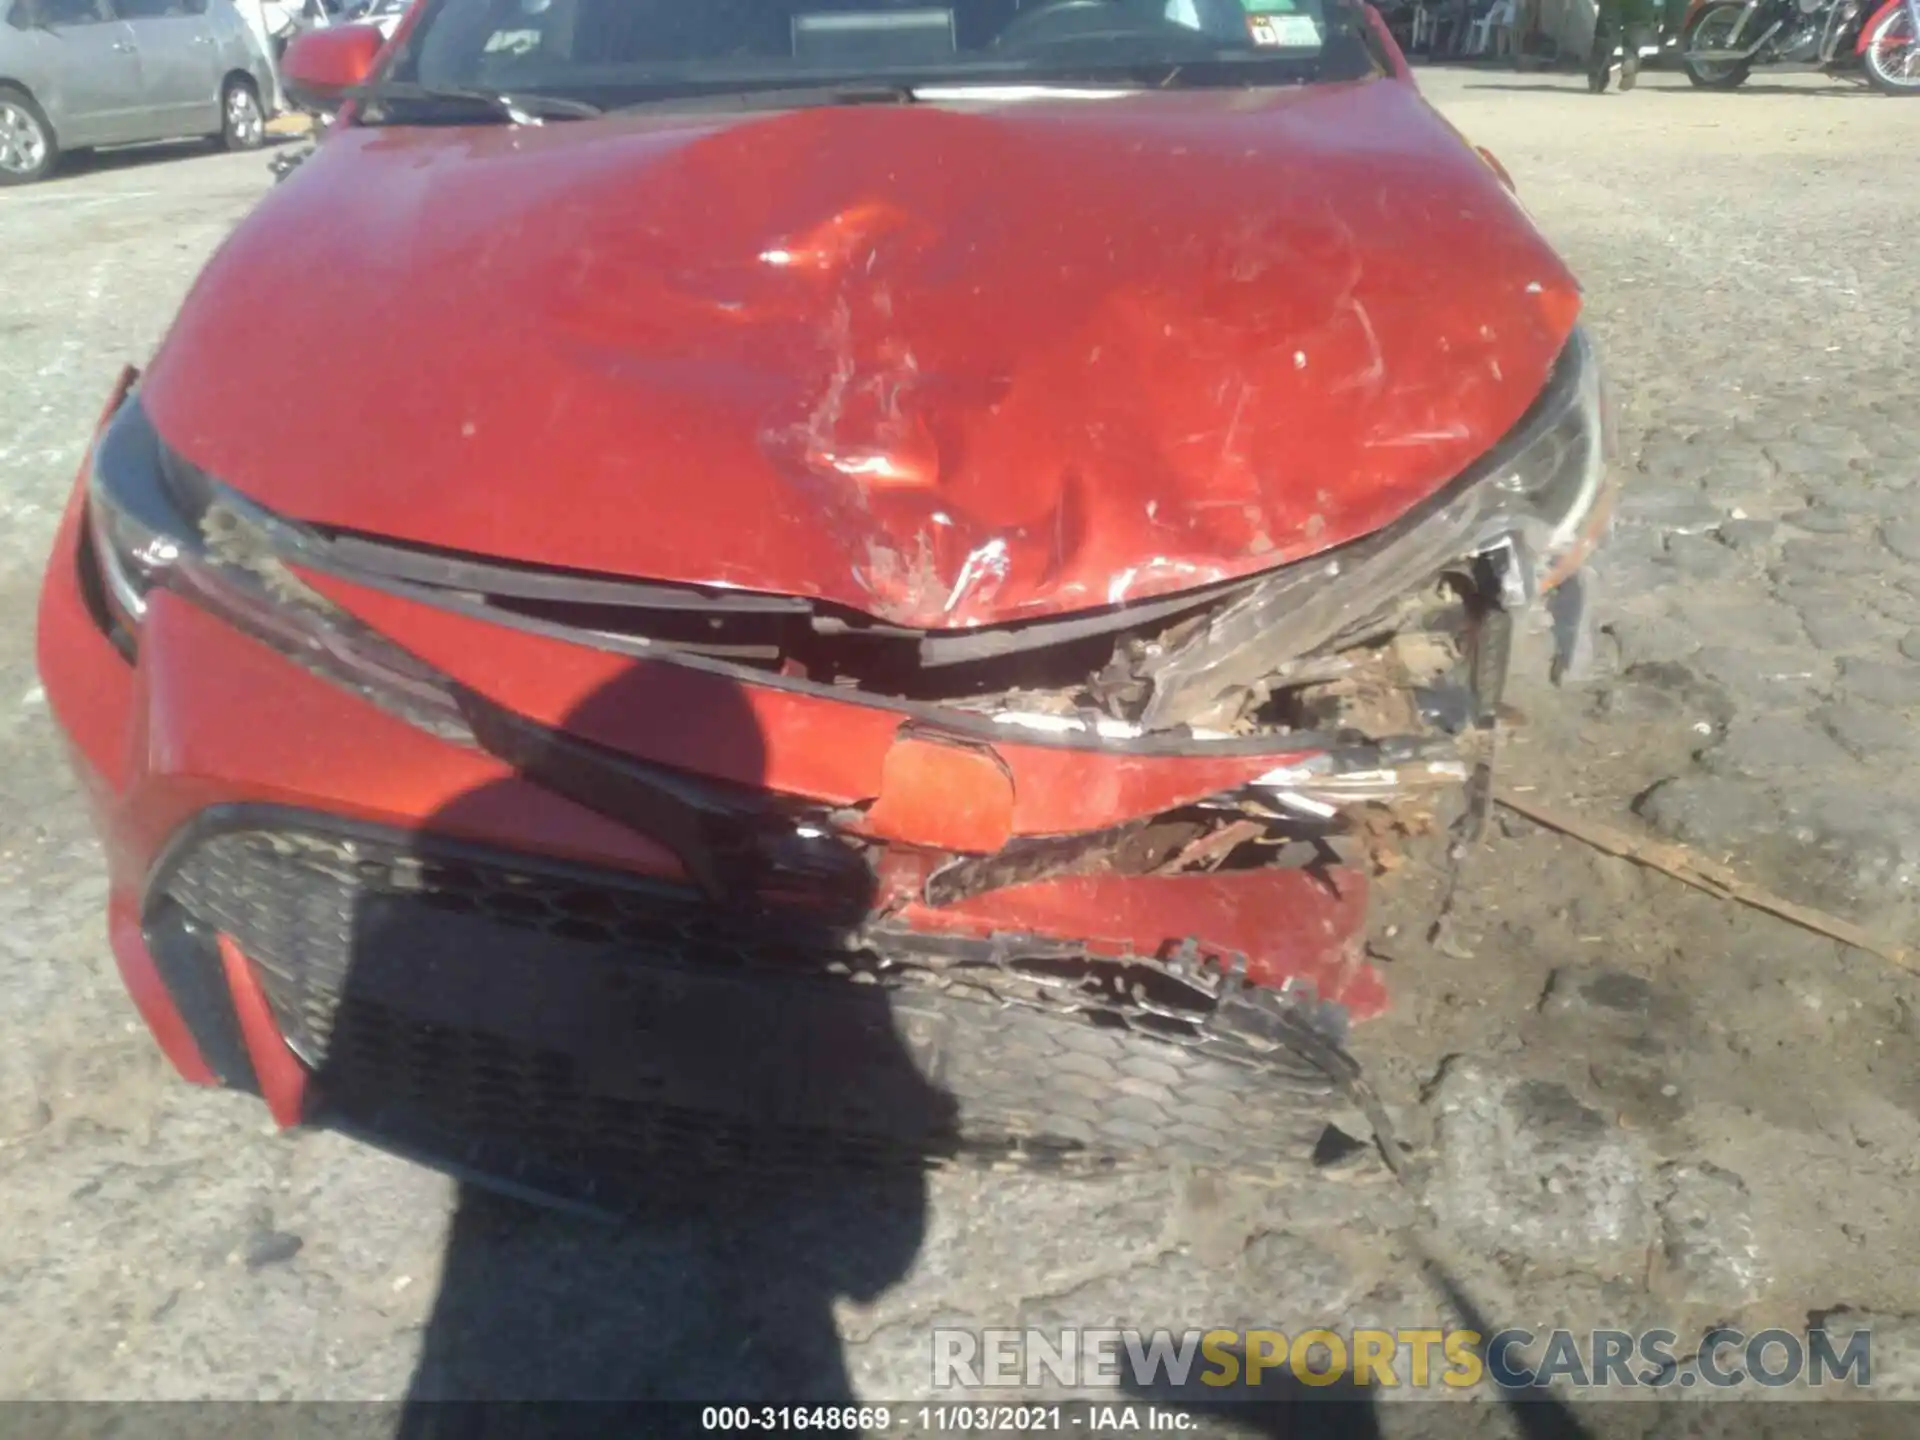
(729, 841)
(375, 562)
(275, 545)
(1332, 788)
(734, 843)
(1260, 630)
(1529, 497)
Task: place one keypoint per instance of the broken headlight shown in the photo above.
(142, 514)
(154, 519)
(1553, 468)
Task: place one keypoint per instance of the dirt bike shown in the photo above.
(1725, 39)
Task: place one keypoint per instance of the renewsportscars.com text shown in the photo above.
(1512, 1359)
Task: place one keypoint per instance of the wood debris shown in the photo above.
(1717, 880)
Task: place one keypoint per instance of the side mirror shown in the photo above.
(320, 66)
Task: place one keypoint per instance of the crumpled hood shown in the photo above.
(948, 366)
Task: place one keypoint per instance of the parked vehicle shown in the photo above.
(1726, 39)
(870, 591)
(75, 74)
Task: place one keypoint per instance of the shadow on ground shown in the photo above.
(546, 1030)
(1278, 1406)
(79, 164)
(1575, 86)
(1284, 1407)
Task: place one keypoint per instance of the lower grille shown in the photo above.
(307, 907)
(587, 1034)
(517, 1016)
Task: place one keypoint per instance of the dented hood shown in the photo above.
(946, 365)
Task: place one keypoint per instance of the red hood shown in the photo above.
(949, 367)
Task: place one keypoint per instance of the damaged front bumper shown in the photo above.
(1194, 776)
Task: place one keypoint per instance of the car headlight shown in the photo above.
(142, 513)
(1553, 470)
(154, 519)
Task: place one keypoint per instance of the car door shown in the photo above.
(179, 66)
(92, 74)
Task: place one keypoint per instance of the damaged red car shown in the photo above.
(841, 582)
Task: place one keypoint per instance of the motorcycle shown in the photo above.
(1725, 39)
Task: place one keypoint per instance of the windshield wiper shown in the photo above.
(534, 109)
(776, 97)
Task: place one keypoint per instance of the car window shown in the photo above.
(609, 51)
(149, 9)
(71, 12)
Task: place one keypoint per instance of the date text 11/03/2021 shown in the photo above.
(963, 1419)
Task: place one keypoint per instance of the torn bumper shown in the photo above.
(288, 703)
(281, 732)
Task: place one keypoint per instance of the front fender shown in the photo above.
(1873, 23)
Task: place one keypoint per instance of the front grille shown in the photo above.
(530, 1021)
(306, 906)
(588, 1034)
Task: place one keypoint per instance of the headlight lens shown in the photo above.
(140, 523)
(154, 520)
(1555, 467)
(131, 556)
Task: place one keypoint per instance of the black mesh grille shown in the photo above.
(589, 1035)
(305, 905)
(537, 1022)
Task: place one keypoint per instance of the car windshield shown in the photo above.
(610, 53)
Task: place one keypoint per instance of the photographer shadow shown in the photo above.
(1281, 1405)
(1278, 1404)
(533, 1030)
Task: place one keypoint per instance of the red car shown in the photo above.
(846, 583)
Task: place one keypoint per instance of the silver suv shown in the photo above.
(80, 73)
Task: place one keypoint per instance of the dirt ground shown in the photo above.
(1643, 1105)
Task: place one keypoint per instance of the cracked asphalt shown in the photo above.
(1643, 1105)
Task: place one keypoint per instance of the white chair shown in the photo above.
(1480, 34)
(1423, 28)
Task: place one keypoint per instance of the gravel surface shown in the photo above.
(1647, 1106)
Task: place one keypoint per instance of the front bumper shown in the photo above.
(265, 824)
